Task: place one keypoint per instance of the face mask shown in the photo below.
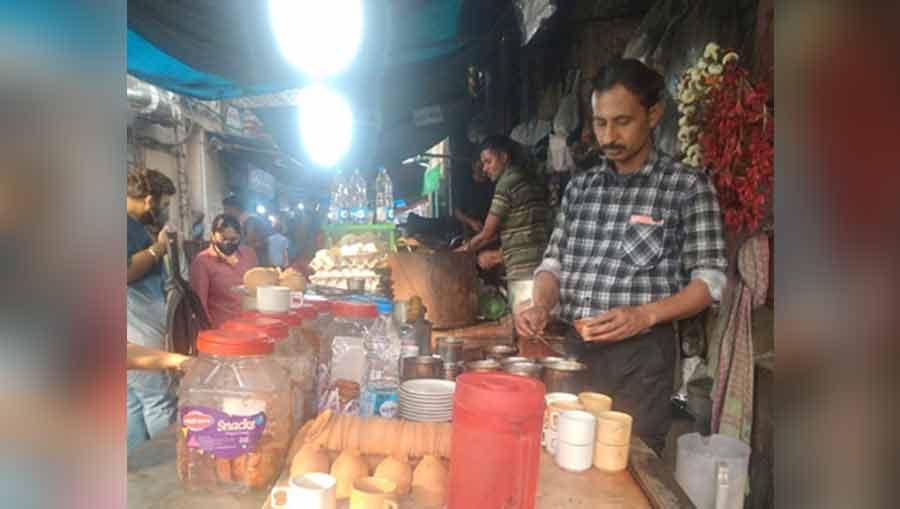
(161, 215)
(227, 248)
(156, 215)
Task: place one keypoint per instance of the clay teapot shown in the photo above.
(347, 468)
(311, 458)
(429, 482)
(396, 469)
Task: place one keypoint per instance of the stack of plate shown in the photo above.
(427, 400)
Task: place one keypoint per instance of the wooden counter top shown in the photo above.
(153, 484)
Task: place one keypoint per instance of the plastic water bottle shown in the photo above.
(338, 213)
(359, 211)
(384, 197)
(382, 376)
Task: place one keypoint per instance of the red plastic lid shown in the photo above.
(321, 305)
(499, 393)
(234, 342)
(354, 309)
(275, 329)
(291, 319)
(306, 312)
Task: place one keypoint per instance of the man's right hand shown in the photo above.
(532, 321)
(162, 242)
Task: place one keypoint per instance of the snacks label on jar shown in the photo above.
(222, 435)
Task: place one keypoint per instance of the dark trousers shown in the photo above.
(637, 373)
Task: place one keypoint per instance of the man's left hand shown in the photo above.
(618, 324)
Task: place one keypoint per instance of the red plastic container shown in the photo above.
(495, 456)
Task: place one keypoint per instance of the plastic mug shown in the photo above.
(577, 427)
(553, 412)
(374, 493)
(614, 428)
(549, 399)
(610, 458)
(574, 458)
(595, 403)
(307, 491)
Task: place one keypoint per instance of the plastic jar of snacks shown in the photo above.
(233, 414)
(342, 359)
(285, 353)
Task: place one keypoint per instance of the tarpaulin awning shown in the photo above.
(413, 56)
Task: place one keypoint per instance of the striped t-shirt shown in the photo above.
(520, 204)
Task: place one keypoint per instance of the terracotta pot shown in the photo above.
(429, 482)
(397, 470)
(311, 458)
(373, 460)
(347, 468)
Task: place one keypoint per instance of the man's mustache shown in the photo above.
(611, 147)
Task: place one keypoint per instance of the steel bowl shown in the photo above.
(422, 366)
(529, 369)
(509, 360)
(452, 370)
(450, 349)
(544, 361)
(499, 352)
(565, 376)
(483, 366)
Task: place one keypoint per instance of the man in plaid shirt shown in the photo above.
(637, 244)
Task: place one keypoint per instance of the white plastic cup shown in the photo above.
(273, 299)
(308, 491)
(574, 458)
(577, 427)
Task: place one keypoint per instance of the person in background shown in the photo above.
(638, 244)
(197, 229)
(518, 211)
(233, 207)
(150, 398)
(278, 245)
(221, 267)
(475, 202)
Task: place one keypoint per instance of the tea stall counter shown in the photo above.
(153, 484)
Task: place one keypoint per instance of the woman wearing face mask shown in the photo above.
(221, 267)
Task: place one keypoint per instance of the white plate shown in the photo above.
(431, 408)
(429, 387)
(426, 419)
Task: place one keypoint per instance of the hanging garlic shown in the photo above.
(715, 69)
(731, 55)
(711, 51)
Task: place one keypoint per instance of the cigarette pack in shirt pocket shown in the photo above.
(643, 243)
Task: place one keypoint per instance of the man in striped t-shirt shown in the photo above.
(518, 210)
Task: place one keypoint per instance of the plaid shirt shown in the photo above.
(627, 240)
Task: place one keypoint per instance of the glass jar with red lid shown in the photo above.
(342, 356)
(234, 414)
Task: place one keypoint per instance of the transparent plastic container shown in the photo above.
(342, 357)
(233, 414)
(285, 354)
(382, 375)
(303, 352)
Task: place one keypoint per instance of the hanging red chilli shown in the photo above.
(737, 141)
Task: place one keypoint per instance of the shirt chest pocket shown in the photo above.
(642, 245)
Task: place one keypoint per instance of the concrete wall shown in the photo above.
(204, 179)
(205, 176)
